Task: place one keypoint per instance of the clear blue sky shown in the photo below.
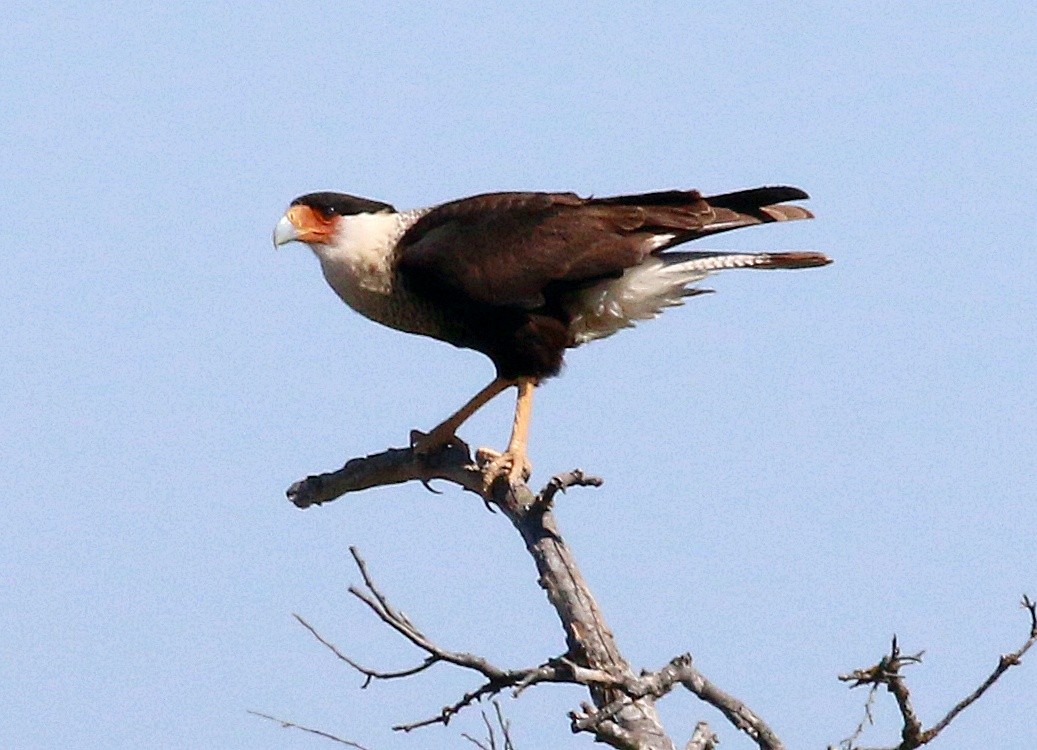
(797, 467)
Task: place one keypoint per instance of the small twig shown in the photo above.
(291, 725)
(562, 482)
(369, 583)
(476, 742)
(505, 726)
(868, 720)
(489, 730)
(491, 733)
(377, 602)
(449, 712)
(369, 674)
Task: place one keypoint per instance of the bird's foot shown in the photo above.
(512, 466)
(426, 443)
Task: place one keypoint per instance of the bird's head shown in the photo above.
(317, 218)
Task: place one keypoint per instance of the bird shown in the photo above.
(523, 276)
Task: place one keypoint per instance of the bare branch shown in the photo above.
(654, 685)
(369, 674)
(290, 725)
(491, 733)
(379, 604)
(1003, 665)
(505, 726)
(559, 670)
(562, 482)
(887, 672)
(736, 712)
(623, 712)
(394, 466)
(477, 743)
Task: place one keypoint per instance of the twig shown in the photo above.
(866, 721)
(505, 726)
(491, 734)
(291, 725)
(887, 672)
(369, 674)
(562, 482)
(476, 742)
(1004, 663)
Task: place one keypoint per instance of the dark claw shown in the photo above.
(430, 488)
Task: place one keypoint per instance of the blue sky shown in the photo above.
(796, 467)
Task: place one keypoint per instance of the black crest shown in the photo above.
(331, 204)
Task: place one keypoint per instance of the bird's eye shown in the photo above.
(330, 211)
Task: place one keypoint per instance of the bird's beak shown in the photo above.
(285, 231)
(302, 224)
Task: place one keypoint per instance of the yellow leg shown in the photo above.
(445, 432)
(513, 462)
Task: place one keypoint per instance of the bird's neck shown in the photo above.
(360, 262)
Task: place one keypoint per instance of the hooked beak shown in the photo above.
(302, 224)
(285, 231)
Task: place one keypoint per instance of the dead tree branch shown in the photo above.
(592, 657)
(622, 710)
(558, 670)
(562, 482)
(887, 672)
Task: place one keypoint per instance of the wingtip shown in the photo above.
(793, 193)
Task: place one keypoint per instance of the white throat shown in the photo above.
(359, 263)
(360, 256)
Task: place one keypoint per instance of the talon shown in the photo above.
(426, 483)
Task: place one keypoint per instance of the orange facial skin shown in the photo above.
(311, 225)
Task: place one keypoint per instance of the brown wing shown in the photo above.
(508, 248)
